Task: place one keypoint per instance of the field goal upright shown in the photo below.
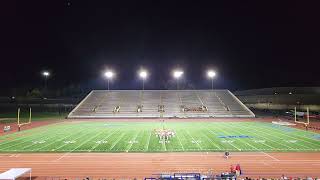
(307, 116)
(24, 123)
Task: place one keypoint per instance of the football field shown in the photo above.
(98, 136)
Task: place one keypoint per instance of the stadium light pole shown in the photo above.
(143, 75)
(177, 75)
(211, 75)
(45, 74)
(109, 75)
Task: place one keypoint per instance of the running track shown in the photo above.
(139, 165)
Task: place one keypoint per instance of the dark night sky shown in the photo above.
(252, 44)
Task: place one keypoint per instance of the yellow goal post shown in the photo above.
(25, 123)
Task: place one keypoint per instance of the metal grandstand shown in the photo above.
(160, 103)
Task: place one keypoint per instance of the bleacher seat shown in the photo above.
(160, 103)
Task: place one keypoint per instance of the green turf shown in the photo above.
(140, 137)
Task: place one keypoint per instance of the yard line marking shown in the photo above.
(179, 141)
(298, 130)
(212, 142)
(264, 137)
(134, 139)
(33, 137)
(79, 137)
(241, 127)
(283, 134)
(148, 142)
(164, 145)
(84, 142)
(110, 134)
(193, 139)
(32, 131)
(77, 147)
(61, 139)
(116, 142)
(234, 129)
(228, 142)
(270, 156)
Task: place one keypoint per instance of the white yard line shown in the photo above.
(32, 131)
(84, 142)
(61, 139)
(37, 137)
(148, 142)
(234, 129)
(194, 139)
(179, 141)
(107, 137)
(265, 138)
(76, 148)
(291, 138)
(227, 141)
(164, 145)
(212, 142)
(116, 142)
(79, 137)
(134, 139)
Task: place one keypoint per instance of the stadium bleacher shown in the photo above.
(160, 103)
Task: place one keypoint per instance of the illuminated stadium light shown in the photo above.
(109, 75)
(211, 74)
(45, 73)
(177, 74)
(143, 75)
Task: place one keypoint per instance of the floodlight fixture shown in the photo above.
(211, 74)
(46, 73)
(109, 74)
(177, 74)
(143, 74)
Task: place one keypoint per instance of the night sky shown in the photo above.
(251, 44)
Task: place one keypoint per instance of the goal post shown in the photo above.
(19, 117)
(307, 116)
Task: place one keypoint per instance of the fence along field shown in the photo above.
(84, 136)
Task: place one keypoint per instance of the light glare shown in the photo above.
(143, 74)
(211, 74)
(177, 74)
(108, 74)
(45, 73)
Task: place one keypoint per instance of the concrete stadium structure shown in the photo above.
(160, 103)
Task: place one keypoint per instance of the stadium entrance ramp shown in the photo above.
(160, 103)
